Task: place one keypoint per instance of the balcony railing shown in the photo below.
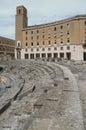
(18, 48)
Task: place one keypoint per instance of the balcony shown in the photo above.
(18, 48)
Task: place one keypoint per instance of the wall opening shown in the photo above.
(84, 56)
(26, 56)
(68, 55)
(61, 55)
(43, 55)
(18, 55)
(31, 56)
(55, 55)
(49, 55)
(37, 55)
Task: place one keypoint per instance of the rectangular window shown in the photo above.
(55, 55)
(61, 42)
(68, 55)
(85, 37)
(43, 49)
(31, 32)
(49, 49)
(26, 56)
(61, 55)
(68, 26)
(31, 49)
(49, 42)
(55, 42)
(18, 44)
(61, 48)
(37, 55)
(85, 41)
(54, 28)
(61, 35)
(37, 43)
(68, 33)
(26, 44)
(31, 56)
(26, 50)
(68, 47)
(37, 31)
(43, 36)
(26, 38)
(68, 40)
(49, 55)
(85, 31)
(55, 48)
(43, 43)
(37, 37)
(85, 23)
(54, 36)
(61, 27)
(26, 32)
(32, 38)
(37, 49)
(43, 55)
(19, 11)
(31, 43)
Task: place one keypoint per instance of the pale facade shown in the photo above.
(61, 39)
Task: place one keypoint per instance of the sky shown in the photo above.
(39, 11)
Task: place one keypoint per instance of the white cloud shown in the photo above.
(39, 11)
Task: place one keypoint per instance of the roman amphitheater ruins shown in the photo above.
(45, 89)
(41, 95)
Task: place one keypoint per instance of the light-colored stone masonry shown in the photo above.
(53, 104)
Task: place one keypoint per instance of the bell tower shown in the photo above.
(21, 23)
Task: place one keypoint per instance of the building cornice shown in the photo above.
(1, 37)
(77, 17)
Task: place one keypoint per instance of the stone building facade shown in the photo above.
(7, 47)
(61, 39)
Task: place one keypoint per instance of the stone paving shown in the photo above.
(49, 98)
(79, 71)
